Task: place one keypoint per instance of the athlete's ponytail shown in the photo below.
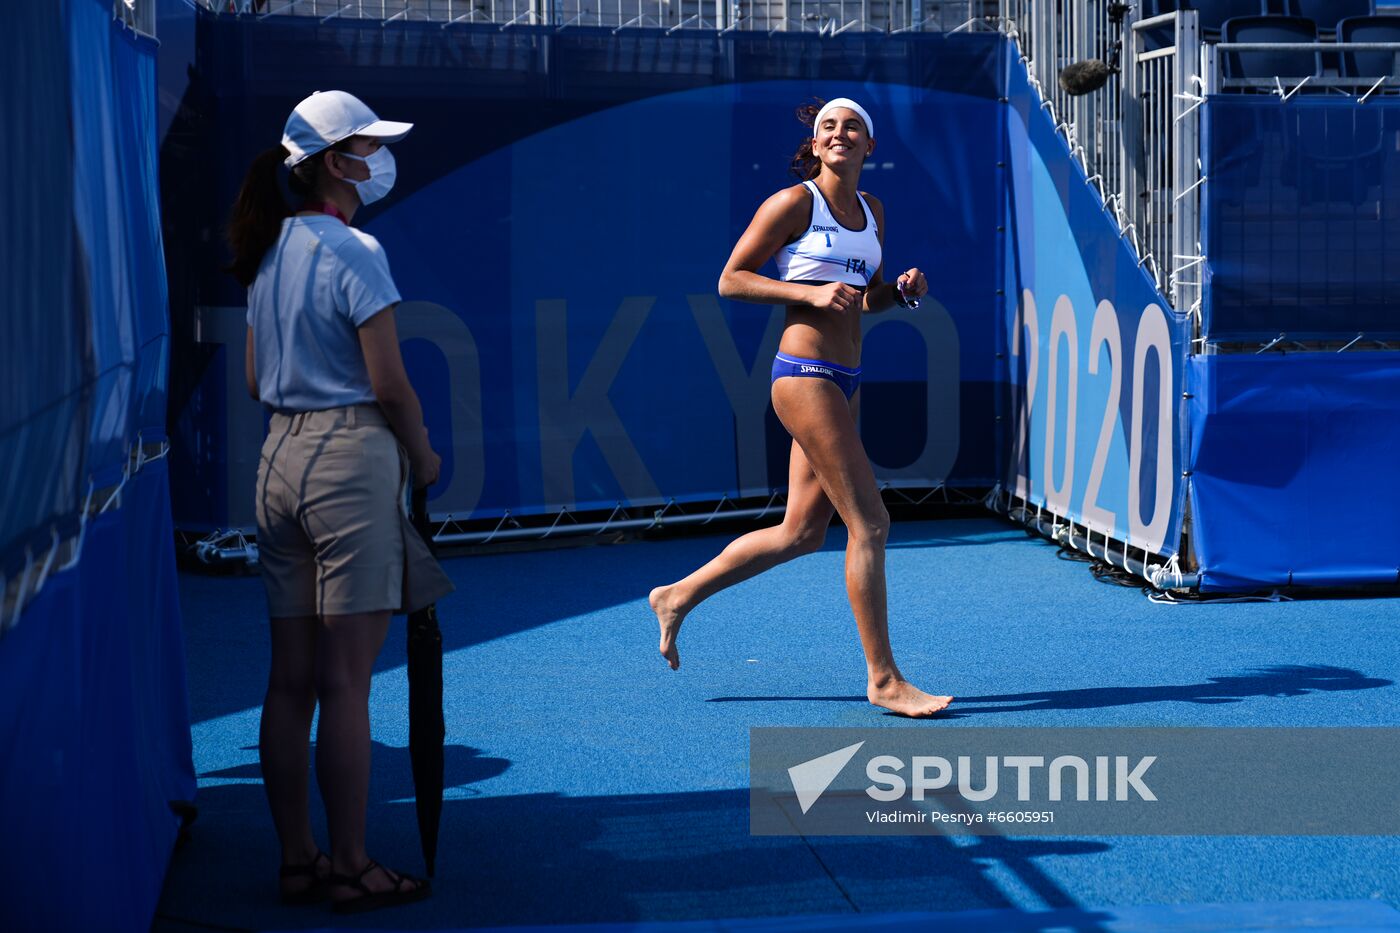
(805, 164)
(257, 216)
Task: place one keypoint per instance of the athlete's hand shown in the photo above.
(912, 284)
(835, 296)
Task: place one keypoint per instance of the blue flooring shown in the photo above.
(589, 784)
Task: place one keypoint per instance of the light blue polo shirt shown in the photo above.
(315, 287)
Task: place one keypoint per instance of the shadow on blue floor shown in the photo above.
(546, 859)
(579, 581)
(1281, 681)
(590, 785)
(391, 776)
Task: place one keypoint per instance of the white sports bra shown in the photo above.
(830, 252)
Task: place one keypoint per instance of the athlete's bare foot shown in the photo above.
(905, 699)
(668, 615)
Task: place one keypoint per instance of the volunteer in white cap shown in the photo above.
(826, 238)
(337, 552)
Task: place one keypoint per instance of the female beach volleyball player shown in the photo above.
(335, 547)
(826, 238)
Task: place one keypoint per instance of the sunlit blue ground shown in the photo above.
(590, 784)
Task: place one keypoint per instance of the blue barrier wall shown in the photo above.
(557, 231)
(93, 715)
(1290, 464)
(1301, 218)
(1096, 356)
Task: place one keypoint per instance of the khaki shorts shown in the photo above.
(330, 513)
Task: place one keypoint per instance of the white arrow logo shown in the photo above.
(811, 778)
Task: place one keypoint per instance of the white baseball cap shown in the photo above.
(327, 117)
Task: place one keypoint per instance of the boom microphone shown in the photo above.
(1085, 77)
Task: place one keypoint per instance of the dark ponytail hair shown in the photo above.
(257, 215)
(258, 212)
(805, 164)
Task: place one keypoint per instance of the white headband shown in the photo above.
(849, 105)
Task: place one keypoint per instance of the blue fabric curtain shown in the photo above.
(94, 721)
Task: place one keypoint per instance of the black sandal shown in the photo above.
(317, 891)
(373, 900)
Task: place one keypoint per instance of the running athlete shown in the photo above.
(826, 238)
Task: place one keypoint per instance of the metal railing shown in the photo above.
(1137, 136)
(1163, 96)
(1360, 86)
(138, 14)
(826, 17)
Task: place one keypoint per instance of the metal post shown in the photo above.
(1186, 123)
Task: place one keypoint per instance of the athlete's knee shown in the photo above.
(807, 539)
(873, 527)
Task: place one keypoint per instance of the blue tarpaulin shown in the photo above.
(1291, 463)
(93, 713)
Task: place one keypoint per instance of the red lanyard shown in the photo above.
(325, 207)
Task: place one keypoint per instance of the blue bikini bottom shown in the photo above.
(846, 379)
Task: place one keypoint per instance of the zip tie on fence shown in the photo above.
(992, 499)
(1200, 181)
(501, 524)
(116, 491)
(1131, 228)
(82, 530)
(722, 500)
(1373, 89)
(1352, 343)
(22, 592)
(48, 561)
(1159, 575)
(1271, 344)
(1298, 87)
(771, 499)
(550, 530)
(660, 514)
(617, 508)
(1096, 180)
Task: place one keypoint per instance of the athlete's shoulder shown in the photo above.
(793, 198)
(877, 210)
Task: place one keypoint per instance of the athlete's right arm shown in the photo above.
(780, 219)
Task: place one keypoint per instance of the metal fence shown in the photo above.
(828, 17)
(1161, 99)
(1136, 137)
(138, 14)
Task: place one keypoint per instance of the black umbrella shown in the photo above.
(426, 728)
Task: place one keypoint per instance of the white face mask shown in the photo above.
(382, 172)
